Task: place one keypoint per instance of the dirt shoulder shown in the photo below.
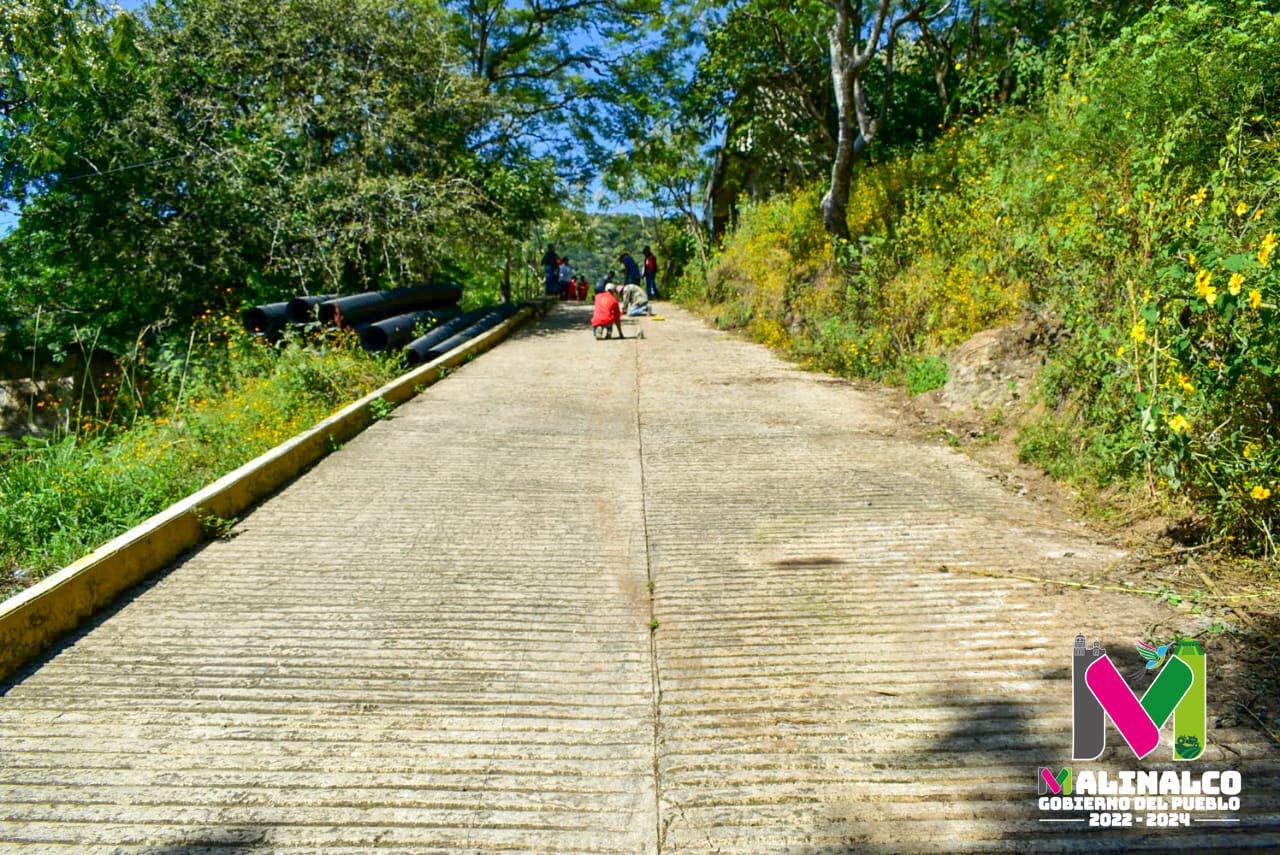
(1199, 590)
(1207, 592)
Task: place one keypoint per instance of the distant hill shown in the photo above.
(593, 242)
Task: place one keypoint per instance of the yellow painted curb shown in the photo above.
(33, 619)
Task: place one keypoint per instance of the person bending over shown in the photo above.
(635, 301)
(608, 314)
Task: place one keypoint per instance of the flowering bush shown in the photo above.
(1137, 203)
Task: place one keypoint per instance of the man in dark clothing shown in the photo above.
(551, 267)
(630, 270)
(650, 274)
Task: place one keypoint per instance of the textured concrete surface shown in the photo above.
(658, 595)
(35, 619)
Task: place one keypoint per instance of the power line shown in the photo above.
(130, 166)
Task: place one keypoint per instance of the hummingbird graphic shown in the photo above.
(1153, 655)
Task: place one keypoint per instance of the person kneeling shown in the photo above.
(635, 301)
(607, 315)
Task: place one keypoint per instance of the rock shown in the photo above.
(52, 394)
(999, 366)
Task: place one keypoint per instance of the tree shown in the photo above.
(666, 169)
(552, 64)
(859, 34)
(992, 52)
(765, 79)
(224, 156)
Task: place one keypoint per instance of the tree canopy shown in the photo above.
(201, 153)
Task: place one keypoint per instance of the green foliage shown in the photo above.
(593, 242)
(543, 61)
(236, 398)
(1136, 203)
(924, 374)
(766, 74)
(775, 255)
(161, 165)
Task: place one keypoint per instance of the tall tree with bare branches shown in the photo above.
(862, 33)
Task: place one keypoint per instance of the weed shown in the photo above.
(214, 526)
(926, 374)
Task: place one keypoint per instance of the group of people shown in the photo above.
(613, 301)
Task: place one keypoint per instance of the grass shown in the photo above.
(62, 496)
(926, 374)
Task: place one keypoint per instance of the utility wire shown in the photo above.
(130, 167)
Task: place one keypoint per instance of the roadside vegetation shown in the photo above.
(163, 427)
(176, 163)
(1134, 198)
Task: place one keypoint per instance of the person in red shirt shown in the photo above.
(608, 314)
(650, 274)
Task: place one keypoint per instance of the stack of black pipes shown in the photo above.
(384, 320)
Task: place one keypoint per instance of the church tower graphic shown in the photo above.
(1088, 721)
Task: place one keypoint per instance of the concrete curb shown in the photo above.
(35, 618)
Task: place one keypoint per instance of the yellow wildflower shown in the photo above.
(1199, 198)
(1139, 331)
(1185, 383)
(1257, 215)
(1191, 259)
(1241, 208)
(1260, 493)
(1234, 283)
(1248, 451)
(1179, 424)
(1204, 289)
(1120, 352)
(1255, 298)
(1268, 247)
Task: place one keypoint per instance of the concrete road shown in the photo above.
(668, 594)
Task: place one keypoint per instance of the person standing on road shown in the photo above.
(551, 267)
(566, 277)
(650, 274)
(630, 270)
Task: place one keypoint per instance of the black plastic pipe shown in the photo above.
(397, 331)
(267, 318)
(491, 319)
(303, 309)
(415, 352)
(377, 305)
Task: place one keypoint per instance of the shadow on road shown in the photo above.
(223, 841)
